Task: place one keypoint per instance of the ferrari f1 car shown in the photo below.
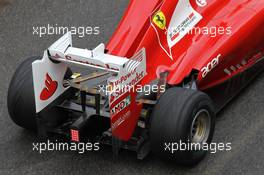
(168, 47)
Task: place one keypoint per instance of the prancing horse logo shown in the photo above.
(159, 20)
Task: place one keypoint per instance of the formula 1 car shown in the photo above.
(169, 68)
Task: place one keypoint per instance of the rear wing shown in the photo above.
(63, 51)
(48, 73)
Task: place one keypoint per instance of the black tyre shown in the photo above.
(21, 100)
(182, 117)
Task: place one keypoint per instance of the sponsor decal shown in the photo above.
(182, 23)
(124, 78)
(121, 106)
(183, 19)
(138, 77)
(159, 20)
(185, 25)
(69, 58)
(116, 94)
(201, 3)
(210, 66)
(50, 88)
(117, 87)
(129, 76)
(120, 120)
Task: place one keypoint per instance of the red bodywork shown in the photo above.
(235, 51)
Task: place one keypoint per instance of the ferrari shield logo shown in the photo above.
(159, 20)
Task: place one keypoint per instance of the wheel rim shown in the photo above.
(201, 127)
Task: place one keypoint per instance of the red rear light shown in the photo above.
(75, 135)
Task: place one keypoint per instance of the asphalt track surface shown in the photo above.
(241, 122)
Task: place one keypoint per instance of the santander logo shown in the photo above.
(50, 89)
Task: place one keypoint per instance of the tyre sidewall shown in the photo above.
(171, 123)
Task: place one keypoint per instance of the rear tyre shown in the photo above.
(21, 100)
(181, 117)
